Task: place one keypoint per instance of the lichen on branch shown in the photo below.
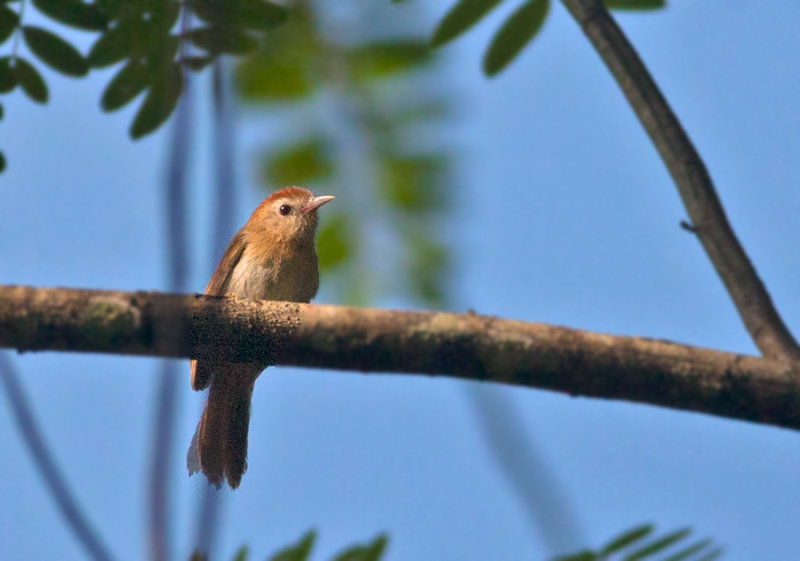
(467, 346)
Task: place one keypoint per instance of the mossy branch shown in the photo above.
(467, 346)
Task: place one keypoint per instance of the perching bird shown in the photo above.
(273, 257)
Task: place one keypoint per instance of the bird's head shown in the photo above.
(288, 216)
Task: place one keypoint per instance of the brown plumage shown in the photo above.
(273, 257)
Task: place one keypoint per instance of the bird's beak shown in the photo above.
(315, 202)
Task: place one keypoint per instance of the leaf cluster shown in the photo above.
(640, 544)
(301, 551)
(152, 44)
(518, 29)
(381, 111)
(143, 37)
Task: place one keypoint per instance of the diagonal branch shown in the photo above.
(466, 346)
(46, 464)
(755, 307)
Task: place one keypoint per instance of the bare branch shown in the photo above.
(45, 462)
(708, 219)
(465, 346)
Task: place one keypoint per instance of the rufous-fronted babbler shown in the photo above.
(273, 257)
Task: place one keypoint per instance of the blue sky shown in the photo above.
(564, 215)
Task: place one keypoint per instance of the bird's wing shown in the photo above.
(221, 279)
(218, 286)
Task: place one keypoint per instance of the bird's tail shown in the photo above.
(219, 446)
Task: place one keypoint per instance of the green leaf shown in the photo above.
(163, 14)
(376, 60)
(211, 11)
(298, 164)
(74, 12)
(653, 549)
(627, 538)
(413, 183)
(460, 18)
(286, 65)
(216, 39)
(369, 552)
(197, 63)
(354, 553)
(299, 551)
(685, 554)
(265, 76)
(8, 79)
(9, 20)
(257, 14)
(129, 82)
(2, 162)
(162, 52)
(523, 24)
(160, 102)
(334, 241)
(117, 8)
(31, 81)
(1, 111)
(241, 555)
(112, 46)
(585, 555)
(712, 555)
(658, 545)
(134, 36)
(55, 51)
(250, 14)
(634, 4)
(375, 549)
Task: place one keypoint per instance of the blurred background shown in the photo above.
(534, 195)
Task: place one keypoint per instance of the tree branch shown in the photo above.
(47, 466)
(755, 307)
(465, 346)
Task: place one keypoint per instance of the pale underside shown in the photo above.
(291, 280)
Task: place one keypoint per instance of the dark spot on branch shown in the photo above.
(688, 227)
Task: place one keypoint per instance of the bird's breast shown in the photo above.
(287, 277)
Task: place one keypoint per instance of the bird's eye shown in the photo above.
(285, 209)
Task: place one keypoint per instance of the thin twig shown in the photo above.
(754, 304)
(46, 464)
(465, 346)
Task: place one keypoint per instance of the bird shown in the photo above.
(272, 257)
